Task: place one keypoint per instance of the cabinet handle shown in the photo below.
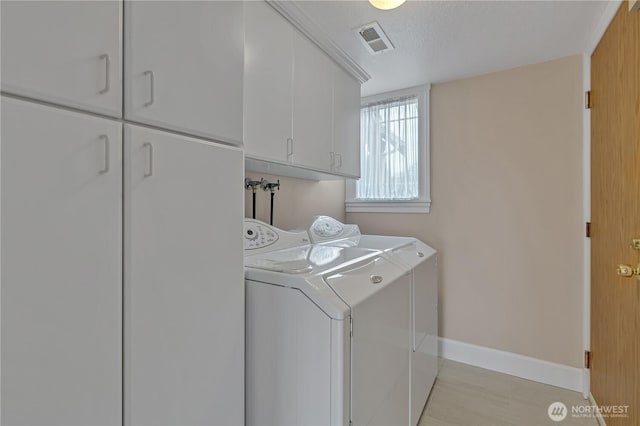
(289, 149)
(332, 155)
(149, 172)
(105, 169)
(107, 63)
(151, 88)
(339, 156)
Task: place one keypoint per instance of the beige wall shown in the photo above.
(297, 200)
(506, 212)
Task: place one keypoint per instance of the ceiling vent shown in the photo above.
(374, 39)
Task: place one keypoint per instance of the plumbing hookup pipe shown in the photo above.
(269, 186)
(253, 185)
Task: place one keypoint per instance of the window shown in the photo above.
(394, 149)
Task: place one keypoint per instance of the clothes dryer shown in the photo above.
(328, 332)
(422, 262)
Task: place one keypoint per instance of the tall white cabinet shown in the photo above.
(65, 52)
(183, 66)
(61, 267)
(184, 281)
(122, 278)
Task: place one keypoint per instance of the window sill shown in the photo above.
(387, 206)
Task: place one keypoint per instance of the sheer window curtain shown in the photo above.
(389, 151)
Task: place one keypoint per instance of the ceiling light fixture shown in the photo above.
(386, 4)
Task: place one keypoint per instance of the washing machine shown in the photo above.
(422, 261)
(328, 332)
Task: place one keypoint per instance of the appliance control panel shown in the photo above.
(325, 228)
(258, 236)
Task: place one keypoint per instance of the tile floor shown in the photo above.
(464, 395)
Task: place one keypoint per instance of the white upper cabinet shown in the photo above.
(184, 66)
(346, 123)
(312, 105)
(300, 107)
(268, 83)
(64, 52)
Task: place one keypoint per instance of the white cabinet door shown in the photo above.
(424, 357)
(184, 281)
(61, 267)
(312, 105)
(65, 52)
(346, 123)
(184, 66)
(381, 326)
(268, 83)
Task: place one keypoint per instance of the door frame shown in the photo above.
(606, 18)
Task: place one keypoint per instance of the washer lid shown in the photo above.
(302, 268)
(310, 259)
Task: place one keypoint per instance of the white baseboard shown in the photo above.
(513, 364)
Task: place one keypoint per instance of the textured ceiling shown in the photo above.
(437, 41)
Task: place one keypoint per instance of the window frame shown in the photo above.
(423, 203)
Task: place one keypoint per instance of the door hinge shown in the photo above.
(588, 229)
(587, 359)
(350, 326)
(587, 99)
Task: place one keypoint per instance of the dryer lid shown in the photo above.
(360, 281)
(383, 242)
(413, 254)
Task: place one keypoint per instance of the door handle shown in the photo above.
(289, 149)
(149, 172)
(107, 63)
(628, 271)
(151, 88)
(105, 169)
(635, 244)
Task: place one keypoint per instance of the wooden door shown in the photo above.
(184, 66)
(268, 81)
(65, 52)
(61, 267)
(184, 281)
(615, 215)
